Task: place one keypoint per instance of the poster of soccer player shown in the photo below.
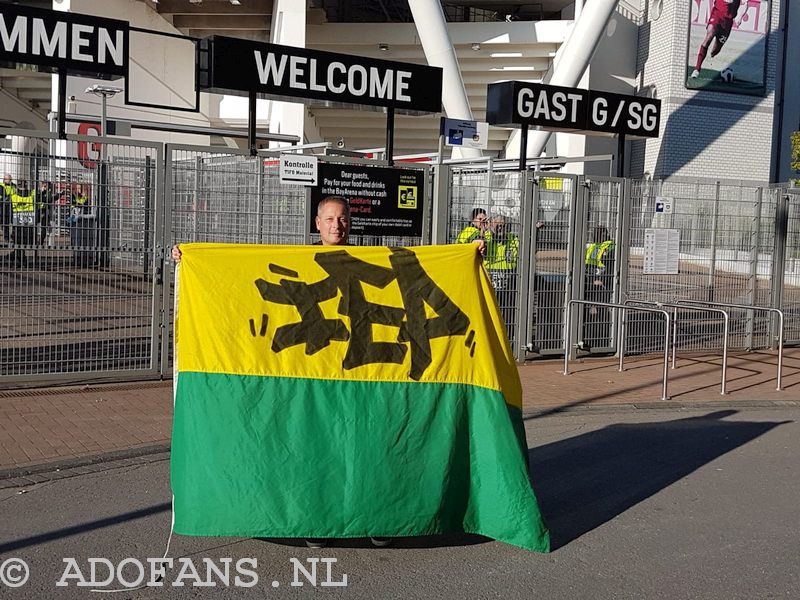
(727, 49)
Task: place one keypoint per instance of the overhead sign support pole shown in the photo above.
(390, 135)
(523, 154)
(62, 104)
(621, 155)
(251, 123)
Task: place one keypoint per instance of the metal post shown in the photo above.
(527, 229)
(567, 340)
(147, 259)
(674, 337)
(779, 253)
(755, 244)
(251, 123)
(712, 271)
(621, 155)
(621, 317)
(62, 104)
(780, 348)
(441, 204)
(523, 147)
(664, 392)
(726, 321)
(390, 136)
(260, 200)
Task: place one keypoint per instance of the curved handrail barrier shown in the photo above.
(748, 307)
(623, 308)
(726, 328)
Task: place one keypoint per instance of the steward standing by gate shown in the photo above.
(598, 287)
(502, 252)
(44, 210)
(23, 207)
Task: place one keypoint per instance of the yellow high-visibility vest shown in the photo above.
(595, 252)
(502, 255)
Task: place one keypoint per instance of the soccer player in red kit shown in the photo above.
(719, 26)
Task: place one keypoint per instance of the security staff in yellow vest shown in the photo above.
(23, 224)
(81, 227)
(477, 229)
(502, 254)
(598, 287)
(7, 189)
(44, 209)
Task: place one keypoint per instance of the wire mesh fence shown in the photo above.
(86, 229)
(727, 239)
(76, 283)
(486, 204)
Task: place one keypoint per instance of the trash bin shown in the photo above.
(82, 231)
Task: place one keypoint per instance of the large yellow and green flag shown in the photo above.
(346, 392)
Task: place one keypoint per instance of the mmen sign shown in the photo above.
(78, 44)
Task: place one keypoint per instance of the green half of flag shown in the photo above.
(296, 457)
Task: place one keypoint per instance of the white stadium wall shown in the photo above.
(703, 133)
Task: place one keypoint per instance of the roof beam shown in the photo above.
(222, 22)
(214, 7)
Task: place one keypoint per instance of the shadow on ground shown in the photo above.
(587, 480)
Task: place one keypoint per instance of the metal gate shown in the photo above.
(735, 238)
(77, 284)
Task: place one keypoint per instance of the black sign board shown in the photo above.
(231, 65)
(78, 44)
(383, 200)
(557, 108)
(620, 113)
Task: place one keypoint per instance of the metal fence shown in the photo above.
(86, 285)
(76, 282)
(736, 238)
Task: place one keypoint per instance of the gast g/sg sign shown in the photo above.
(54, 40)
(513, 103)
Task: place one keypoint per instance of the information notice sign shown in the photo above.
(661, 251)
(383, 200)
(298, 170)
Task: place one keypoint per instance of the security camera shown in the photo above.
(340, 142)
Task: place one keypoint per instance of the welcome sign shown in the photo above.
(78, 44)
(235, 65)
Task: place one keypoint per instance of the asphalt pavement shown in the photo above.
(665, 502)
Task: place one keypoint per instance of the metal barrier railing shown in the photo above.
(778, 311)
(623, 308)
(675, 307)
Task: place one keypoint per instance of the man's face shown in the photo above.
(333, 224)
(481, 221)
(7, 179)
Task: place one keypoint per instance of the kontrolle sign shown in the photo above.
(78, 44)
(514, 103)
(235, 65)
